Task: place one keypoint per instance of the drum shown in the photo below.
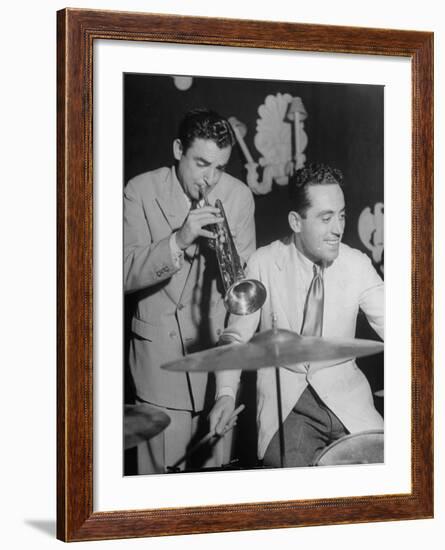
(360, 448)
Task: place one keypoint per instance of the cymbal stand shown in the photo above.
(280, 419)
(279, 404)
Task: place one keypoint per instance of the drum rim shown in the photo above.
(344, 438)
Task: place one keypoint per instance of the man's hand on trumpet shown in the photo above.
(193, 226)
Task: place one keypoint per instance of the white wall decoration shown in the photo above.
(280, 138)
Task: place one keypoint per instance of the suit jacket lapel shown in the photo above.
(174, 207)
(290, 284)
(172, 202)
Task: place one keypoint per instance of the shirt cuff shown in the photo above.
(176, 253)
(225, 390)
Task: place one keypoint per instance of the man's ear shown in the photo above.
(294, 219)
(177, 149)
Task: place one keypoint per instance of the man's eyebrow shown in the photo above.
(326, 212)
(208, 163)
(202, 159)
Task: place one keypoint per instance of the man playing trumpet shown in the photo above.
(174, 272)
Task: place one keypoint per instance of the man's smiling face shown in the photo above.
(318, 234)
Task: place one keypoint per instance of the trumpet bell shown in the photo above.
(241, 296)
(245, 297)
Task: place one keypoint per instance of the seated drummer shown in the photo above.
(315, 286)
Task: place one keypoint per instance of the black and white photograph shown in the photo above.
(253, 274)
(204, 203)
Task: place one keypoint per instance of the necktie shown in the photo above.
(313, 308)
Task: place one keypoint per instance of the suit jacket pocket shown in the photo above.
(163, 341)
(146, 330)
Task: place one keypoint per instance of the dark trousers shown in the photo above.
(310, 427)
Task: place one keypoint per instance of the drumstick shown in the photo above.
(207, 438)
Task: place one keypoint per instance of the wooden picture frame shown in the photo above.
(77, 31)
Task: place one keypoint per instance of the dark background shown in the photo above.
(344, 128)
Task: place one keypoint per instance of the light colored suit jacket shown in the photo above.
(350, 283)
(178, 310)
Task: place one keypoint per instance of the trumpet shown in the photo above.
(241, 295)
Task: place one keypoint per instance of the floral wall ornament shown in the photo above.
(281, 118)
(370, 230)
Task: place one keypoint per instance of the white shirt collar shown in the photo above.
(307, 263)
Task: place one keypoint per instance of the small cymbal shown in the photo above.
(276, 348)
(142, 422)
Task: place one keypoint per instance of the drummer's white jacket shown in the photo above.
(350, 283)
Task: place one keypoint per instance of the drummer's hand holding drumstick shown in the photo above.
(222, 417)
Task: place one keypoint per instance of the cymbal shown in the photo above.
(276, 348)
(142, 422)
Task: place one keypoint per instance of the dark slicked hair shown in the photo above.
(205, 124)
(313, 174)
